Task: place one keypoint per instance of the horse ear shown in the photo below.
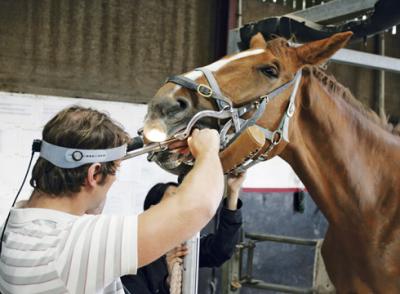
(258, 41)
(319, 51)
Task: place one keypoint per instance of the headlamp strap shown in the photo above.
(73, 157)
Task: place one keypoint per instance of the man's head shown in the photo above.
(83, 128)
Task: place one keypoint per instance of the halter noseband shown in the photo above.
(234, 115)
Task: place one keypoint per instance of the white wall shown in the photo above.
(23, 116)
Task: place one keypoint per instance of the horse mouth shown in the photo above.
(177, 158)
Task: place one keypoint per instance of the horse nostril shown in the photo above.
(171, 106)
(183, 103)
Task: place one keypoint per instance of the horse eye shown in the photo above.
(270, 71)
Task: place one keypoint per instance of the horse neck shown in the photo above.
(339, 154)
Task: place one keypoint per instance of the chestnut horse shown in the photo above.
(344, 154)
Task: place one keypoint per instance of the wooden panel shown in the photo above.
(116, 50)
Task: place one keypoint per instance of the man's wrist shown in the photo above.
(207, 155)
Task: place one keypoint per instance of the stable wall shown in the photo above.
(114, 50)
(22, 118)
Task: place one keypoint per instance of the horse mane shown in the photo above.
(334, 87)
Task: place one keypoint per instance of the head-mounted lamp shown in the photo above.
(72, 157)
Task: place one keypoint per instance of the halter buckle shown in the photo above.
(204, 90)
(266, 97)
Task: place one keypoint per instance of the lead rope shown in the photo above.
(176, 278)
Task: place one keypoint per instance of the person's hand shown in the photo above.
(203, 141)
(175, 255)
(234, 183)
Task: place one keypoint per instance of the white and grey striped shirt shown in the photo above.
(48, 251)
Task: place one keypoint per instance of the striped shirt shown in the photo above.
(48, 251)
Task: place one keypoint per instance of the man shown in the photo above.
(215, 249)
(51, 244)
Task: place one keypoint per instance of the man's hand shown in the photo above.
(203, 141)
(234, 184)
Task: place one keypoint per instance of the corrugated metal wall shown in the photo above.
(117, 50)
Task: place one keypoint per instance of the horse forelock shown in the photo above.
(334, 87)
(278, 46)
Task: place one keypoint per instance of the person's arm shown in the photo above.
(178, 218)
(217, 248)
(234, 184)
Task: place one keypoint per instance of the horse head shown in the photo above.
(245, 80)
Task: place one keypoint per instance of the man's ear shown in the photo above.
(93, 174)
(317, 52)
(258, 41)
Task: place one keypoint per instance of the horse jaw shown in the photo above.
(173, 161)
(157, 130)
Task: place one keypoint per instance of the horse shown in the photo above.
(343, 152)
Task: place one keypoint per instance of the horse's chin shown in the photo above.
(177, 162)
(173, 162)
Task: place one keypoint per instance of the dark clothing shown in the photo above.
(215, 249)
(149, 279)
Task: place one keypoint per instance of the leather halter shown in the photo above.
(235, 113)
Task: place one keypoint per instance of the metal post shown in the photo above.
(250, 256)
(281, 239)
(321, 282)
(381, 78)
(190, 273)
(239, 14)
(230, 282)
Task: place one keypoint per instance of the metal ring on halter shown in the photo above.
(204, 90)
(276, 134)
(290, 110)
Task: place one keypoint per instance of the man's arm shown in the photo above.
(178, 218)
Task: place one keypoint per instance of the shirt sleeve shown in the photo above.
(97, 251)
(217, 248)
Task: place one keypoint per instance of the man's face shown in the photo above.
(110, 179)
(104, 188)
(100, 194)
